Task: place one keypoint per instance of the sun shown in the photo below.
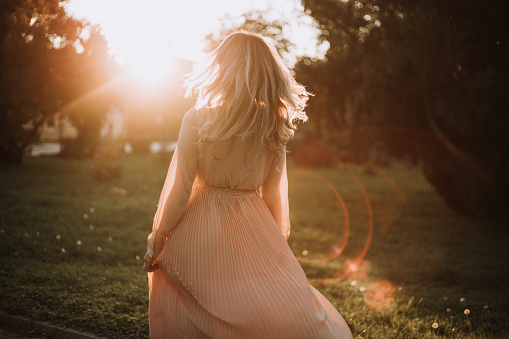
(150, 60)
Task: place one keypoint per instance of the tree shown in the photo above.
(426, 80)
(253, 21)
(38, 42)
(95, 81)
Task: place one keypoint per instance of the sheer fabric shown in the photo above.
(226, 270)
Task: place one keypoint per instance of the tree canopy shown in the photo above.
(424, 80)
(44, 53)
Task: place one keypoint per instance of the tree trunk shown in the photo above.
(11, 153)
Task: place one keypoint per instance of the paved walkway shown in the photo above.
(14, 327)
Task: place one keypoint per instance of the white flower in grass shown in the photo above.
(353, 283)
(466, 311)
(58, 237)
(137, 257)
(305, 253)
(110, 239)
(85, 216)
(486, 307)
(448, 310)
(91, 227)
(435, 325)
(362, 289)
(462, 300)
(92, 210)
(79, 243)
(99, 249)
(62, 250)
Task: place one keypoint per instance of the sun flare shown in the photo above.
(150, 64)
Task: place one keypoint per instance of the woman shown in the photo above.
(218, 261)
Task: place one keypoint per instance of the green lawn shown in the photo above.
(72, 248)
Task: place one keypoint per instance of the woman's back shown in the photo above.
(237, 163)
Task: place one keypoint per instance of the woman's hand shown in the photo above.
(148, 264)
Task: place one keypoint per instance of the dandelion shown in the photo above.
(362, 289)
(137, 257)
(462, 300)
(435, 325)
(448, 310)
(353, 283)
(92, 210)
(62, 250)
(99, 249)
(305, 253)
(58, 237)
(485, 307)
(400, 288)
(467, 311)
(79, 243)
(85, 216)
(91, 227)
(110, 239)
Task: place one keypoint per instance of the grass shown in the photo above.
(71, 249)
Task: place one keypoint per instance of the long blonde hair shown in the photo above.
(253, 91)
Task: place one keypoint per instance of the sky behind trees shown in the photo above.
(178, 29)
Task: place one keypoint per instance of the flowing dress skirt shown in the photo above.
(227, 272)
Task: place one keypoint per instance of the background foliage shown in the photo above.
(421, 80)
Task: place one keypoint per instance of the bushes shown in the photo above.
(106, 162)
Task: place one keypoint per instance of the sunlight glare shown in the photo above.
(151, 60)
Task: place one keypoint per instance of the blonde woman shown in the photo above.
(218, 261)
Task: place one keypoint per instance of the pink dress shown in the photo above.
(226, 270)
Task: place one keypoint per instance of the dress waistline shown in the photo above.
(224, 190)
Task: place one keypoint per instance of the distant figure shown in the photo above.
(218, 260)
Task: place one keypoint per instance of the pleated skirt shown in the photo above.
(226, 271)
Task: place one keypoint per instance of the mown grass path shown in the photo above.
(71, 249)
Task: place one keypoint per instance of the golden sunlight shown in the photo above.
(150, 60)
(145, 36)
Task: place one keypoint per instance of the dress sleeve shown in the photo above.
(177, 186)
(274, 192)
